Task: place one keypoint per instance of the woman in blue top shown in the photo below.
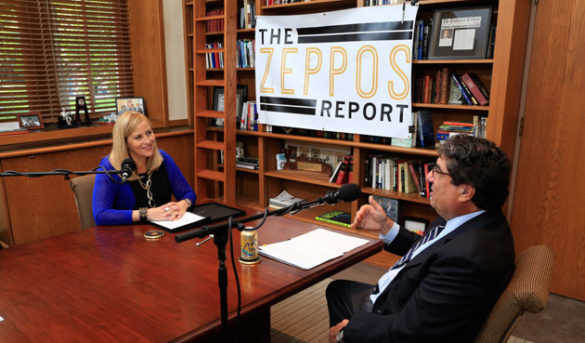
(147, 194)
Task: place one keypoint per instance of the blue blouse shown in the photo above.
(113, 203)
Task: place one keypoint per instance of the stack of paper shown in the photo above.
(284, 199)
(311, 249)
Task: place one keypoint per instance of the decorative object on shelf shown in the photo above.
(10, 124)
(81, 106)
(416, 225)
(280, 161)
(124, 104)
(240, 152)
(218, 102)
(31, 121)
(65, 120)
(460, 33)
(390, 206)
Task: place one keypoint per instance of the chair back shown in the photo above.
(527, 291)
(82, 187)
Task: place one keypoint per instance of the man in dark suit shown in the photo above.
(445, 284)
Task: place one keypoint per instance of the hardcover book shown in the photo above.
(336, 217)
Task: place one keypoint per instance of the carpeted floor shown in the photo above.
(304, 318)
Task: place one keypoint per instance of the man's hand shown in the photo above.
(372, 217)
(334, 329)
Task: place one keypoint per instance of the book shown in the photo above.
(461, 89)
(335, 173)
(343, 175)
(390, 206)
(340, 218)
(474, 89)
(426, 132)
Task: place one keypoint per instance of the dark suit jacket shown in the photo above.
(445, 293)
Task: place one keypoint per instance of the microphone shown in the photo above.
(128, 165)
(348, 193)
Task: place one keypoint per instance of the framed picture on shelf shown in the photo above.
(460, 33)
(31, 121)
(130, 104)
(416, 225)
(218, 101)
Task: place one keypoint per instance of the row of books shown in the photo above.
(214, 59)
(248, 118)
(246, 53)
(282, 2)
(449, 128)
(381, 2)
(247, 18)
(432, 88)
(396, 174)
(472, 89)
(343, 173)
(422, 39)
(214, 25)
(443, 87)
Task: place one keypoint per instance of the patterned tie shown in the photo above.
(429, 236)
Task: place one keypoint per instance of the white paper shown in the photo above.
(188, 218)
(311, 249)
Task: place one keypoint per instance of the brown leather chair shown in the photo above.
(82, 187)
(528, 291)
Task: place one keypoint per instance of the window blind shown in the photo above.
(52, 51)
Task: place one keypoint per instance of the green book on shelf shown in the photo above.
(336, 217)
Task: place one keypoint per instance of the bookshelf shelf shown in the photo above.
(452, 107)
(466, 61)
(302, 176)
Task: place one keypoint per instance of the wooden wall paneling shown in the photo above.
(550, 187)
(181, 150)
(148, 56)
(44, 207)
(506, 85)
(5, 231)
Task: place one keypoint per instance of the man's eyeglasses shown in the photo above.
(436, 169)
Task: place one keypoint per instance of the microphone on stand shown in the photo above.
(128, 166)
(348, 193)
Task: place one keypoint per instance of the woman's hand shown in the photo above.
(169, 211)
(372, 217)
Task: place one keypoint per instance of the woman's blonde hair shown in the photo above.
(124, 126)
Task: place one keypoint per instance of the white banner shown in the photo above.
(346, 71)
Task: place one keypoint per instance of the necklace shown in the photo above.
(146, 187)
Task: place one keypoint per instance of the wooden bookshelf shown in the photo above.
(255, 188)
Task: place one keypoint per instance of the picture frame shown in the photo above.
(218, 101)
(417, 225)
(460, 33)
(136, 103)
(31, 121)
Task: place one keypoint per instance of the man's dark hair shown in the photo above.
(481, 164)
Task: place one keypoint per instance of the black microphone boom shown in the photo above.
(128, 166)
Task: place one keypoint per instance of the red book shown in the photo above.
(427, 184)
(343, 176)
(473, 88)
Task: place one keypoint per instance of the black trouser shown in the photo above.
(345, 297)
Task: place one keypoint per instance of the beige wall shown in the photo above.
(175, 59)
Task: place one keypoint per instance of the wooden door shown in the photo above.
(550, 188)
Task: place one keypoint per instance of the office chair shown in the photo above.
(527, 291)
(82, 187)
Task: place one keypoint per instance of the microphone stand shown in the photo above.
(220, 238)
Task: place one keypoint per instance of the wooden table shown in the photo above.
(109, 284)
